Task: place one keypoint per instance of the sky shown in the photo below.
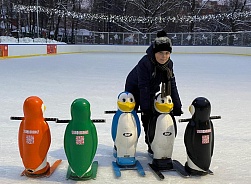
(99, 77)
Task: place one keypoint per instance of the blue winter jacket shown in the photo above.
(144, 82)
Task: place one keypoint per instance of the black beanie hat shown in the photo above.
(162, 42)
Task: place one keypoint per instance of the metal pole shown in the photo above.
(37, 21)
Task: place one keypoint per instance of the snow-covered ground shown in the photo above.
(100, 77)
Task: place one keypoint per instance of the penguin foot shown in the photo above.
(194, 172)
(87, 176)
(126, 161)
(163, 164)
(73, 176)
(39, 173)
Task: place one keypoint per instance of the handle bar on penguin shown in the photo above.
(93, 120)
(21, 118)
(113, 112)
(58, 120)
(211, 117)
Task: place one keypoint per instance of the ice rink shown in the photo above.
(99, 77)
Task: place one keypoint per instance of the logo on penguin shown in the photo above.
(127, 134)
(167, 133)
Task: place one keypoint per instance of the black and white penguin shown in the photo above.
(199, 138)
(162, 132)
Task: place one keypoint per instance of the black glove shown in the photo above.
(177, 111)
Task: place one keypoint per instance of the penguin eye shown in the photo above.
(169, 101)
(123, 100)
(162, 101)
(131, 100)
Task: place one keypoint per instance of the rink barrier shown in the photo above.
(4, 50)
(28, 50)
(51, 49)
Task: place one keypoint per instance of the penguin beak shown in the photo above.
(126, 106)
(164, 107)
(191, 109)
(43, 107)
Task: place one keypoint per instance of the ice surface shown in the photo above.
(100, 77)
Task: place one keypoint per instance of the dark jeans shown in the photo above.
(145, 118)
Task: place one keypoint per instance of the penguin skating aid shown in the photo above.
(80, 142)
(34, 132)
(199, 138)
(161, 134)
(125, 131)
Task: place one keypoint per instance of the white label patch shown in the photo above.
(31, 131)
(80, 140)
(75, 132)
(203, 131)
(29, 139)
(205, 139)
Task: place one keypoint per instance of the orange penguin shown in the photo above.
(34, 138)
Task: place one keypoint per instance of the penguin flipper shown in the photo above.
(136, 117)
(175, 124)
(45, 142)
(20, 138)
(67, 140)
(189, 142)
(115, 124)
(212, 141)
(94, 138)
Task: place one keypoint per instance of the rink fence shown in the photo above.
(26, 50)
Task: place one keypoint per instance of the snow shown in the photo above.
(99, 77)
(27, 40)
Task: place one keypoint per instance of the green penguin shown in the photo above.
(80, 142)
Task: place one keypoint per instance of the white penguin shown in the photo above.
(125, 129)
(162, 131)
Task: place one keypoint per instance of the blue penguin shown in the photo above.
(125, 129)
(162, 131)
(199, 138)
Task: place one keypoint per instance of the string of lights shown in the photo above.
(130, 19)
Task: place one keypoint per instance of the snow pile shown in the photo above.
(26, 40)
(8, 39)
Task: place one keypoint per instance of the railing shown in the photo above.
(181, 39)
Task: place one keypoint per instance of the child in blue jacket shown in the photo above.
(155, 69)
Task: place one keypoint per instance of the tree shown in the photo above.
(146, 9)
(63, 18)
